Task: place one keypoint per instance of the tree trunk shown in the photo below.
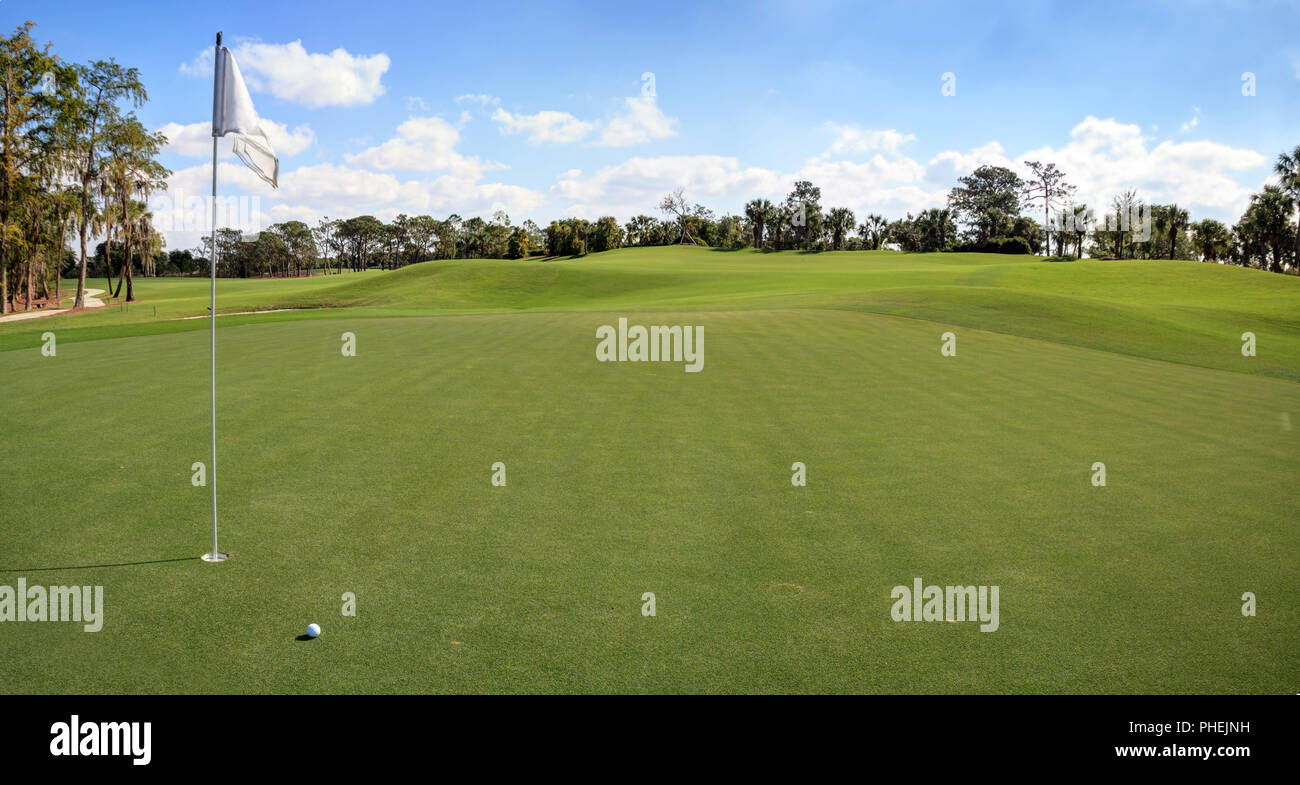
(108, 258)
(58, 263)
(80, 302)
(45, 280)
(126, 262)
(130, 281)
(4, 251)
(1047, 230)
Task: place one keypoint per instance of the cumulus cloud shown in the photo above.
(313, 79)
(365, 185)
(866, 171)
(850, 139)
(423, 144)
(1105, 157)
(361, 190)
(545, 126)
(881, 184)
(636, 185)
(641, 121)
(195, 139)
(311, 192)
(944, 168)
(482, 99)
(1192, 123)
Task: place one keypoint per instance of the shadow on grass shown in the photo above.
(547, 259)
(794, 251)
(97, 566)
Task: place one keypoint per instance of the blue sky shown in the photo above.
(370, 104)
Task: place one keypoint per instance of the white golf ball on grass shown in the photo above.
(313, 630)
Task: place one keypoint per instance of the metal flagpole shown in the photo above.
(215, 555)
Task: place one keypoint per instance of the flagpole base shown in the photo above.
(215, 557)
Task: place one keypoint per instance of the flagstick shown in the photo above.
(215, 555)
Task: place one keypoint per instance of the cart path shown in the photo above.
(91, 302)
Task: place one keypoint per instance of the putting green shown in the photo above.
(371, 474)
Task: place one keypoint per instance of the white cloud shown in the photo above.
(195, 139)
(1105, 157)
(482, 99)
(313, 79)
(946, 167)
(545, 126)
(415, 103)
(886, 185)
(636, 185)
(1192, 123)
(351, 191)
(310, 192)
(862, 169)
(866, 172)
(423, 144)
(201, 65)
(642, 121)
(853, 139)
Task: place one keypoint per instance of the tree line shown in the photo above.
(75, 163)
(987, 211)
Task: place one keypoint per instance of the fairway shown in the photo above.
(372, 475)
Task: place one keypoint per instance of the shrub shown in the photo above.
(997, 245)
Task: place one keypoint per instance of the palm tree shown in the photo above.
(1079, 218)
(840, 221)
(877, 225)
(104, 219)
(1288, 170)
(139, 235)
(1248, 237)
(129, 170)
(777, 220)
(934, 228)
(871, 231)
(759, 212)
(1212, 239)
(101, 85)
(1267, 219)
(65, 209)
(1175, 220)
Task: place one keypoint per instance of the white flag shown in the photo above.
(233, 113)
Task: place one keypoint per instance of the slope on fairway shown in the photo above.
(371, 475)
(1178, 311)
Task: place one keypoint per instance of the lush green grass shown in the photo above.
(371, 475)
(1178, 311)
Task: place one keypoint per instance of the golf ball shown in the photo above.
(313, 630)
